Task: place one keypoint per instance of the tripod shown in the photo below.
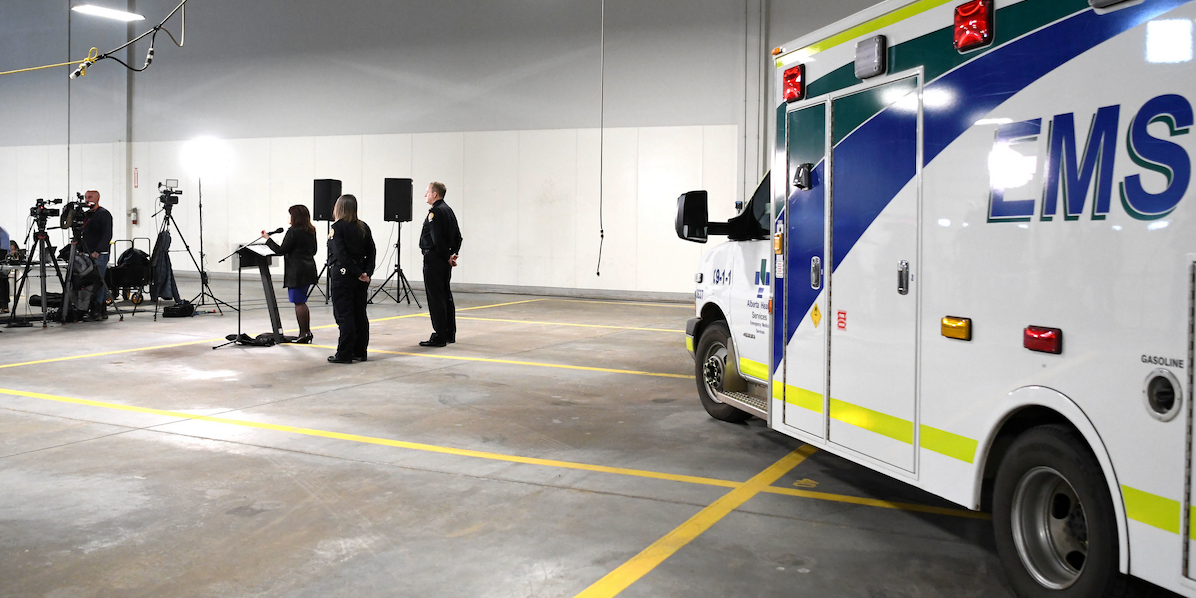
(402, 287)
(38, 250)
(168, 204)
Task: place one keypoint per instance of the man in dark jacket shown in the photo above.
(97, 237)
(440, 240)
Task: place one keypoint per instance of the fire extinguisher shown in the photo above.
(134, 215)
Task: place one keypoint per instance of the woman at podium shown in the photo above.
(299, 265)
(351, 255)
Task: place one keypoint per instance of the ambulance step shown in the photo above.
(754, 405)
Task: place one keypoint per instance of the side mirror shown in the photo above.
(692, 216)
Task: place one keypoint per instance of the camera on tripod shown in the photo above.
(169, 192)
(41, 213)
(75, 214)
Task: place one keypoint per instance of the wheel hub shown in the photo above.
(713, 370)
(1049, 528)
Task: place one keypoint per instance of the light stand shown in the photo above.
(402, 287)
(205, 290)
(327, 290)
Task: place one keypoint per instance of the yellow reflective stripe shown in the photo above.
(946, 443)
(754, 369)
(1151, 509)
(882, 21)
(806, 399)
(1192, 528)
(873, 421)
(689, 343)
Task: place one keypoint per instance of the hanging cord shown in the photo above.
(601, 133)
(93, 56)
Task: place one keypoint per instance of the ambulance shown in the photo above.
(972, 268)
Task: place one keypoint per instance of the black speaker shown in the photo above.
(324, 199)
(397, 204)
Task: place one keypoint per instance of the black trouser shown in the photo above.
(437, 273)
(349, 297)
(5, 292)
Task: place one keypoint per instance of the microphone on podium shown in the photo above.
(275, 231)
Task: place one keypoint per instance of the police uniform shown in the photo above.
(350, 253)
(439, 240)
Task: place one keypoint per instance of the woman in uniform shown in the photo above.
(299, 270)
(350, 264)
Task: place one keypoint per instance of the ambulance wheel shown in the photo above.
(710, 367)
(1053, 518)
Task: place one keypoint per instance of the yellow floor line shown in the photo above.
(118, 352)
(641, 564)
(688, 306)
(884, 504)
(430, 448)
(516, 362)
(493, 456)
(576, 325)
(218, 340)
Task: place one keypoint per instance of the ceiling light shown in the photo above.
(107, 13)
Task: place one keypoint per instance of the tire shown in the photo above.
(710, 364)
(1056, 531)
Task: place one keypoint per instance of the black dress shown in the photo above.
(351, 252)
(299, 265)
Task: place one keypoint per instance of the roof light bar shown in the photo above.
(973, 24)
(107, 13)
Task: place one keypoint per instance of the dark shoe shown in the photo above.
(432, 342)
(305, 339)
(334, 359)
(450, 340)
(361, 358)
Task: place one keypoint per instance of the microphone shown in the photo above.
(275, 231)
(82, 70)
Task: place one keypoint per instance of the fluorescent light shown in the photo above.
(107, 13)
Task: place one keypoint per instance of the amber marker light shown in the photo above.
(957, 328)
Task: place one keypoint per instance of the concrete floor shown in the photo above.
(402, 476)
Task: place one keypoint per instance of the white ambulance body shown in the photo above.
(973, 270)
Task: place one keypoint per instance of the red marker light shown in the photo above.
(973, 24)
(1044, 340)
(795, 83)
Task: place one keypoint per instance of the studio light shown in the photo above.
(107, 13)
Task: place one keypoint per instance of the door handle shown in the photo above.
(903, 277)
(816, 273)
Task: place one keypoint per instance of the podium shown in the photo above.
(257, 255)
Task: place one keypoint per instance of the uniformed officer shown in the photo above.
(351, 263)
(440, 240)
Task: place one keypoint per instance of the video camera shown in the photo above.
(41, 213)
(169, 193)
(75, 215)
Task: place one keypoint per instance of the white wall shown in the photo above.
(527, 201)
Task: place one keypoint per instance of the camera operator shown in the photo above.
(97, 237)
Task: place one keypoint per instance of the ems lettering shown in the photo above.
(1078, 176)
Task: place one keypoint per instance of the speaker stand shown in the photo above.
(327, 290)
(402, 287)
